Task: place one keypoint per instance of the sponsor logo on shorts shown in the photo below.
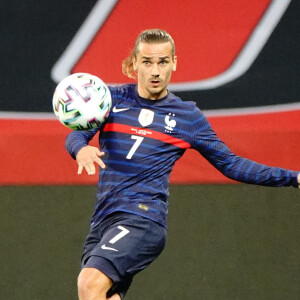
(104, 247)
(143, 207)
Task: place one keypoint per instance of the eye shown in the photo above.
(163, 62)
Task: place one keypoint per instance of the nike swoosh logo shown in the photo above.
(116, 110)
(104, 247)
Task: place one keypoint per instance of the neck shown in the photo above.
(151, 96)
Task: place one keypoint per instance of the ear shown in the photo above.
(134, 63)
(174, 63)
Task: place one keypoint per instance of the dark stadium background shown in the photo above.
(226, 241)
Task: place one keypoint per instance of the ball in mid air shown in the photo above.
(82, 101)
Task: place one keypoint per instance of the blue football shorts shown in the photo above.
(122, 245)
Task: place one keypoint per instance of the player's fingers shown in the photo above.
(80, 168)
(99, 153)
(100, 162)
(90, 168)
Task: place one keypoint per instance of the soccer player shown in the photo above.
(148, 129)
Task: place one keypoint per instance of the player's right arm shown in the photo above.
(77, 144)
(86, 159)
(85, 155)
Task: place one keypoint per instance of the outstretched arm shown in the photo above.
(236, 167)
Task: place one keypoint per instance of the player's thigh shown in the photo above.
(131, 244)
(121, 246)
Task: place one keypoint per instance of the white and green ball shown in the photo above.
(82, 101)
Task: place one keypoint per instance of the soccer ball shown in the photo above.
(82, 101)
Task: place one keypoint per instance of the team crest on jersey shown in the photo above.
(170, 122)
(146, 117)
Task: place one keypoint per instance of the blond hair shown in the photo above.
(147, 36)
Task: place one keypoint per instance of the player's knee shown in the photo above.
(115, 297)
(92, 284)
(84, 283)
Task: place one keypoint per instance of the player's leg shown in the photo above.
(93, 285)
(115, 297)
(125, 245)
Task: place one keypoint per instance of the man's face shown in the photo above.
(154, 65)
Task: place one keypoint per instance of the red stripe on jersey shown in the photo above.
(147, 133)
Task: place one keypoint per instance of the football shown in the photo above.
(81, 101)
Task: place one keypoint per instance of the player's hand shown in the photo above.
(87, 157)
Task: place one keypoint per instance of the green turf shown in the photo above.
(225, 242)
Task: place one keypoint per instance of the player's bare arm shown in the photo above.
(86, 159)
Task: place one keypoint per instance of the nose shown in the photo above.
(154, 70)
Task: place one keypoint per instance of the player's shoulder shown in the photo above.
(121, 90)
(187, 107)
(121, 93)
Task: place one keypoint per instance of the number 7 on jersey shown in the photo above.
(134, 147)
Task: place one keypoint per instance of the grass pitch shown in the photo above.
(224, 242)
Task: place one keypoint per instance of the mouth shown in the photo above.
(155, 82)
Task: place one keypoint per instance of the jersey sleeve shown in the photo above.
(78, 139)
(233, 166)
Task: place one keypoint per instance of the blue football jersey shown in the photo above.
(142, 139)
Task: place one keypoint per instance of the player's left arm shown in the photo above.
(235, 167)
